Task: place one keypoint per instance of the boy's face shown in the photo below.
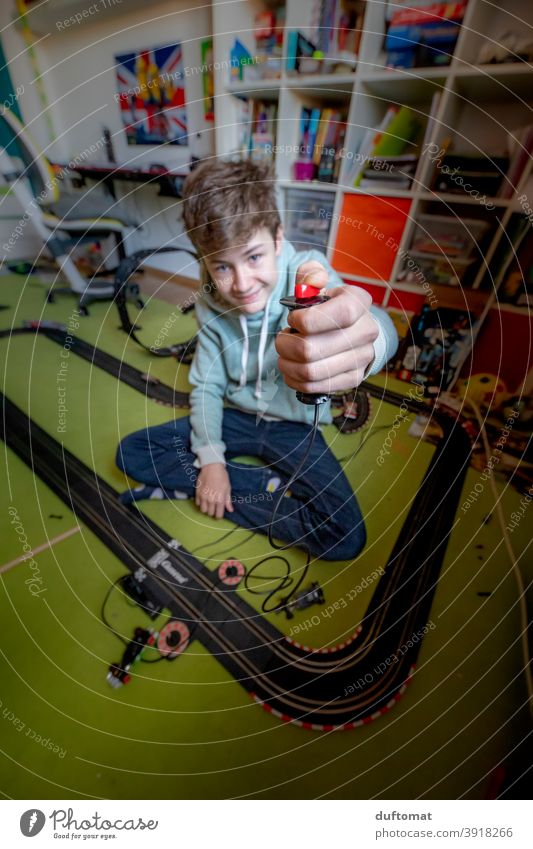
(246, 275)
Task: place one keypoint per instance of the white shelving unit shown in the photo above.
(479, 104)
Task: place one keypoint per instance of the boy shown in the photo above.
(244, 343)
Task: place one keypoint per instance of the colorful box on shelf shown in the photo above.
(303, 169)
(444, 234)
(421, 37)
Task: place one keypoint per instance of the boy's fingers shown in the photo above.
(326, 368)
(343, 310)
(229, 505)
(312, 273)
(305, 349)
(339, 383)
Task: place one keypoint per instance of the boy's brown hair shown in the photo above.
(225, 203)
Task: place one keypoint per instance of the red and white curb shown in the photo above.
(329, 649)
(347, 726)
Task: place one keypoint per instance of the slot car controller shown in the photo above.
(306, 296)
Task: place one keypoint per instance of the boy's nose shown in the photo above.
(241, 280)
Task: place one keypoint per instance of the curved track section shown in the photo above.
(339, 689)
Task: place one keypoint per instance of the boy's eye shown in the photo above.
(221, 269)
(255, 257)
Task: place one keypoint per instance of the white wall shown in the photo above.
(78, 75)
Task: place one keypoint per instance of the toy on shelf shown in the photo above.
(438, 341)
(509, 47)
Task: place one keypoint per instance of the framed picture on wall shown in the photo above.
(151, 95)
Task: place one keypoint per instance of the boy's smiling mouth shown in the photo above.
(248, 298)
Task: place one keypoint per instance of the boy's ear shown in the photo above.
(279, 240)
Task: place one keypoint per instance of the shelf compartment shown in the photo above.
(307, 217)
(438, 235)
(495, 82)
(410, 86)
(486, 23)
(435, 270)
(471, 125)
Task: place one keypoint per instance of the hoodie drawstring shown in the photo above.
(260, 353)
(245, 350)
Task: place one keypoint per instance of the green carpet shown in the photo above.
(185, 729)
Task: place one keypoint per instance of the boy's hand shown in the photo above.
(213, 490)
(334, 344)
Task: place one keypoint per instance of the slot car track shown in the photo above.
(336, 688)
(152, 388)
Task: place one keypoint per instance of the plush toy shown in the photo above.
(485, 390)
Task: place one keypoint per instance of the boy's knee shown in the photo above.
(348, 548)
(126, 452)
(351, 538)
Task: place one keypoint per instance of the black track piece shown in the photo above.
(351, 683)
(149, 386)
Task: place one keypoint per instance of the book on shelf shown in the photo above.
(431, 120)
(391, 172)
(370, 138)
(398, 135)
(257, 122)
(340, 28)
(309, 121)
(331, 44)
(330, 158)
(517, 265)
(321, 137)
(422, 34)
(240, 58)
(521, 148)
(456, 172)
(299, 48)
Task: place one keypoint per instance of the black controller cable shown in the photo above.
(182, 351)
(118, 583)
(285, 581)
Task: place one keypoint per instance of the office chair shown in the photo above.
(62, 222)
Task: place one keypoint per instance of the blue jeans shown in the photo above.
(321, 513)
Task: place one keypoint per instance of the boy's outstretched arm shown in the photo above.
(339, 342)
(208, 378)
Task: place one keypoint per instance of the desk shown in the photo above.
(170, 182)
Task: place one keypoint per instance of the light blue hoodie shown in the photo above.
(236, 360)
